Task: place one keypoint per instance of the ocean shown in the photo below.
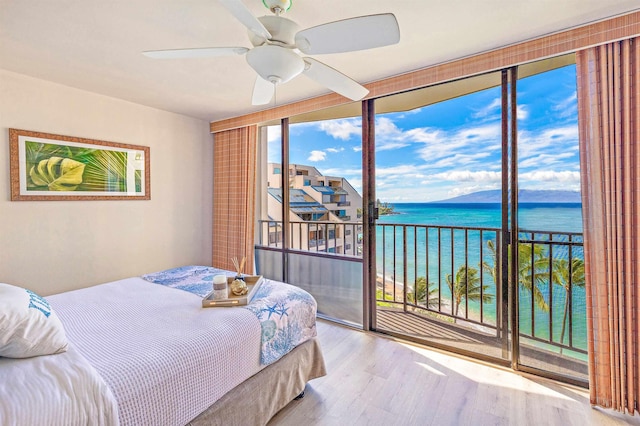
(566, 217)
(437, 253)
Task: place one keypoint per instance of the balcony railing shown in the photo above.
(316, 236)
(450, 273)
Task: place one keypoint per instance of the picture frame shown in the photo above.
(49, 167)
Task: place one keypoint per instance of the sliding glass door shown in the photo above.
(551, 294)
(479, 237)
(439, 233)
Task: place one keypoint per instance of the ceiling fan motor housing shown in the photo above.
(283, 31)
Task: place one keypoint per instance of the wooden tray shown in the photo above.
(253, 284)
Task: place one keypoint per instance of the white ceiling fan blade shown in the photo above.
(263, 91)
(364, 32)
(334, 80)
(242, 14)
(205, 52)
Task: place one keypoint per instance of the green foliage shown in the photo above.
(425, 295)
(385, 208)
(67, 168)
(379, 297)
(57, 174)
(466, 286)
(563, 275)
(539, 267)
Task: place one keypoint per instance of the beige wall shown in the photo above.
(54, 246)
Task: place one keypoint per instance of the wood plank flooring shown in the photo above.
(374, 380)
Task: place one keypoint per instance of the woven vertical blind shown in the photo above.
(609, 122)
(234, 183)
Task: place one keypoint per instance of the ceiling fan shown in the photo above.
(278, 45)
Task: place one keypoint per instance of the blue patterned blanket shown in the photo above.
(287, 314)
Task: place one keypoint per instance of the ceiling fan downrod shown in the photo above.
(277, 6)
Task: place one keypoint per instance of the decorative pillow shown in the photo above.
(28, 325)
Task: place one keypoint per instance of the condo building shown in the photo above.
(324, 213)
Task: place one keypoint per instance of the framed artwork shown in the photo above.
(53, 167)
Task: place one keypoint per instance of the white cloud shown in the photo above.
(405, 170)
(464, 146)
(460, 160)
(468, 176)
(347, 173)
(317, 156)
(273, 134)
(521, 112)
(410, 112)
(342, 129)
(464, 190)
(545, 160)
(567, 107)
(335, 150)
(565, 176)
(550, 146)
(356, 183)
(389, 136)
(492, 108)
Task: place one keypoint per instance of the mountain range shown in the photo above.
(524, 196)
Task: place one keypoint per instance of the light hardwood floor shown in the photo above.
(373, 380)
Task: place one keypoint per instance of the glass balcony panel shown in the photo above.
(335, 283)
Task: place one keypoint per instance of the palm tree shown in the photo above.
(426, 294)
(467, 286)
(562, 276)
(539, 268)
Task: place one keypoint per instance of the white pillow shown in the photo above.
(28, 325)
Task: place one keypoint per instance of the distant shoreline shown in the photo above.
(524, 196)
(488, 204)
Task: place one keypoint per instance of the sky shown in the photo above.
(453, 147)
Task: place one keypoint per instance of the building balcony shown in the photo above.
(417, 268)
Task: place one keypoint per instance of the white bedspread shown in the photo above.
(60, 389)
(156, 347)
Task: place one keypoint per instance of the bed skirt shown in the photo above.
(256, 400)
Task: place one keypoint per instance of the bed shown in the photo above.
(143, 351)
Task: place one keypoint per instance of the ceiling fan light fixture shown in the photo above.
(274, 63)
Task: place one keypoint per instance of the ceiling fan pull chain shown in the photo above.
(275, 94)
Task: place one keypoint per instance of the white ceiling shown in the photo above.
(95, 45)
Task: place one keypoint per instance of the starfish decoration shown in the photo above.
(271, 309)
(276, 309)
(283, 311)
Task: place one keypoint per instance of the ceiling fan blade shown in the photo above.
(364, 32)
(334, 80)
(263, 91)
(205, 52)
(242, 14)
